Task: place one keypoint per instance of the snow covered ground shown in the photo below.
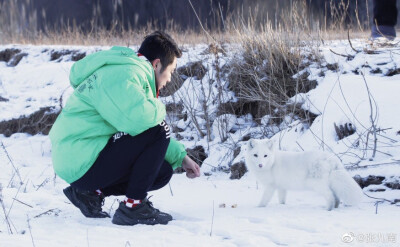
(214, 210)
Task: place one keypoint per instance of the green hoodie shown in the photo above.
(115, 91)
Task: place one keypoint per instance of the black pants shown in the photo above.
(130, 166)
(385, 12)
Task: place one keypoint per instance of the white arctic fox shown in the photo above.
(318, 171)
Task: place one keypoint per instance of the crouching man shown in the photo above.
(111, 137)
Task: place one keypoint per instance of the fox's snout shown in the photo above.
(260, 165)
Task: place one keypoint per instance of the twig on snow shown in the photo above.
(55, 210)
(351, 45)
(212, 220)
(30, 232)
(170, 189)
(22, 202)
(381, 199)
(4, 211)
(12, 163)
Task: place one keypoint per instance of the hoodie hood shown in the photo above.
(85, 67)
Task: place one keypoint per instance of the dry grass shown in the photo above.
(19, 26)
(263, 76)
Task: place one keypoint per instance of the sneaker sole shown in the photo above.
(117, 220)
(68, 193)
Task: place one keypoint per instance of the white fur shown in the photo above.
(318, 171)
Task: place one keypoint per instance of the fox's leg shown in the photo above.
(326, 192)
(266, 197)
(337, 201)
(282, 196)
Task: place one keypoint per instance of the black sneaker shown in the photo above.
(88, 202)
(143, 213)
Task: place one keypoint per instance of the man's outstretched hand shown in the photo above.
(192, 168)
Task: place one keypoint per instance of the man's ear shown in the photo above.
(156, 62)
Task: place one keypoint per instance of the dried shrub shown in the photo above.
(39, 122)
(213, 49)
(175, 111)
(265, 74)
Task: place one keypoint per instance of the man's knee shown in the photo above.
(164, 176)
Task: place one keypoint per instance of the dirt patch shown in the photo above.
(38, 122)
(16, 59)
(344, 130)
(393, 71)
(367, 181)
(197, 154)
(333, 67)
(392, 182)
(7, 54)
(75, 55)
(376, 71)
(12, 56)
(193, 69)
(238, 170)
(173, 86)
(3, 99)
(196, 70)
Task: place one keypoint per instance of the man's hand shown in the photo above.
(192, 168)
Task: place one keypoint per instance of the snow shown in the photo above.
(41, 215)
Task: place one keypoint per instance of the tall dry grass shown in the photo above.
(19, 24)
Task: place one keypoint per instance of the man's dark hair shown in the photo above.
(160, 45)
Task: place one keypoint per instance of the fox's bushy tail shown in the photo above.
(345, 187)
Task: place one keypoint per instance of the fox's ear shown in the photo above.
(269, 144)
(251, 144)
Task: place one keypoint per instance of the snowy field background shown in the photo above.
(213, 210)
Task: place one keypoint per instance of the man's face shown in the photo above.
(162, 78)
